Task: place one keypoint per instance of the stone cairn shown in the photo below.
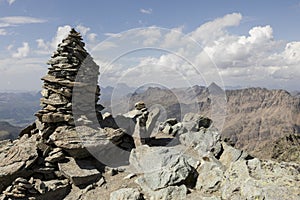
(71, 67)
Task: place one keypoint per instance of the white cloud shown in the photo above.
(45, 47)
(83, 29)
(10, 2)
(15, 20)
(3, 32)
(146, 11)
(22, 52)
(114, 35)
(92, 37)
(10, 47)
(254, 59)
(215, 29)
(151, 35)
(292, 53)
(62, 32)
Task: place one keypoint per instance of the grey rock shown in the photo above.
(151, 159)
(198, 119)
(80, 172)
(152, 120)
(177, 129)
(254, 179)
(125, 194)
(170, 193)
(173, 173)
(210, 175)
(167, 129)
(163, 168)
(231, 154)
(205, 141)
(75, 141)
(133, 114)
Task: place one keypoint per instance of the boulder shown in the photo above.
(145, 159)
(80, 172)
(170, 193)
(152, 120)
(174, 173)
(204, 141)
(210, 175)
(231, 154)
(199, 120)
(166, 170)
(125, 194)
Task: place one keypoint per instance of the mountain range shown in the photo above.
(255, 119)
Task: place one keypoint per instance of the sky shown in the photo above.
(235, 43)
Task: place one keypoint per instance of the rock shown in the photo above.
(177, 129)
(170, 193)
(163, 167)
(175, 172)
(55, 118)
(210, 175)
(56, 189)
(167, 129)
(130, 176)
(72, 140)
(20, 157)
(80, 172)
(126, 123)
(255, 179)
(139, 105)
(169, 122)
(145, 159)
(231, 155)
(125, 194)
(200, 120)
(204, 141)
(133, 114)
(55, 155)
(152, 120)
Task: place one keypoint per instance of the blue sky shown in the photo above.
(253, 43)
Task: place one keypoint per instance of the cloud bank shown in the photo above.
(252, 59)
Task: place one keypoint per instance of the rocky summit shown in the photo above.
(72, 151)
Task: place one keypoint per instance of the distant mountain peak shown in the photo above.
(215, 89)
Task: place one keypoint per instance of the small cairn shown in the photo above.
(71, 67)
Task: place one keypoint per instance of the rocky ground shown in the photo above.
(184, 161)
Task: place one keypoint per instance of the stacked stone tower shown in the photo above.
(72, 71)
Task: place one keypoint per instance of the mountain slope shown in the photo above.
(8, 131)
(18, 108)
(255, 117)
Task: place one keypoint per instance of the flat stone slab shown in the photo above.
(79, 172)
